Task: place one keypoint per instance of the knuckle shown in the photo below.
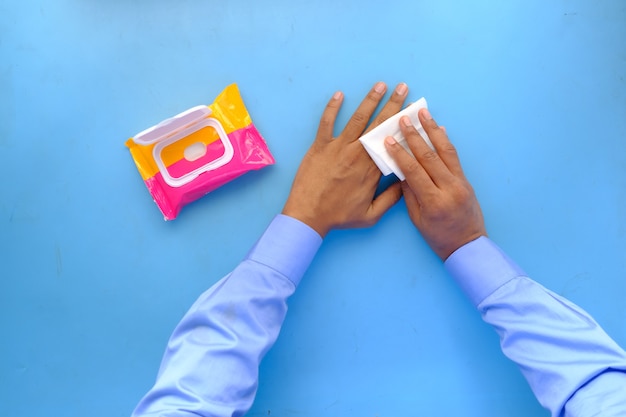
(372, 169)
(449, 149)
(325, 122)
(429, 155)
(396, 98)
(434, 206)
(430, 123)
(383, 115)
(461, 193)
(373, 96)
(372, 221)
(411, 168)
(411, 134)
(351, 160)
(360, 117)
(438, 208)
(366, 220)
(331, 108)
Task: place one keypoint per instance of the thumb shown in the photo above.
(412, 204)
(384, 202)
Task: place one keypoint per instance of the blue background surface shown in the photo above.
(93, 281)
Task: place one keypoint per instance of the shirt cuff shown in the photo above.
(287, 246)
(480, 267)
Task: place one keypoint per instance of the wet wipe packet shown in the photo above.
(191, 154)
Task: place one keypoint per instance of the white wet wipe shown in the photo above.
(374, 140)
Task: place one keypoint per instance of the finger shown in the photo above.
(393, 105)
(384, 202)
(327, 122)
(428, 158)
(439, 138)
(363, 113)
(410, 199)
(416, 176)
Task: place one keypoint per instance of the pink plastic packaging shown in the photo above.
(191, 154)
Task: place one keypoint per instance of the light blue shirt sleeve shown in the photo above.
(573, 367)
(210, 366)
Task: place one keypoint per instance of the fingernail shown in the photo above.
(390, 141)
(380, 87)
(337, 95)
(401, 89)
(426, 114)
(406, 121)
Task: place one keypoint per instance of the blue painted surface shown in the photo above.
(533, 93)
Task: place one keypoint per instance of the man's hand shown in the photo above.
(440, 200)
(336, 181)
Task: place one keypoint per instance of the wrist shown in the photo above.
(444, 252)
(313, 222)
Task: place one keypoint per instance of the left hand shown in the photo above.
(336, 182)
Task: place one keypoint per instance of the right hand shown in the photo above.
(440, 200)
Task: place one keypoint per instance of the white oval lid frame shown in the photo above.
(178, 127)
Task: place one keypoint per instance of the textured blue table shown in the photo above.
(93, 281)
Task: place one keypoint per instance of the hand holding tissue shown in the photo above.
(374, 140)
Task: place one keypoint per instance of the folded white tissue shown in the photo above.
(374, 140)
